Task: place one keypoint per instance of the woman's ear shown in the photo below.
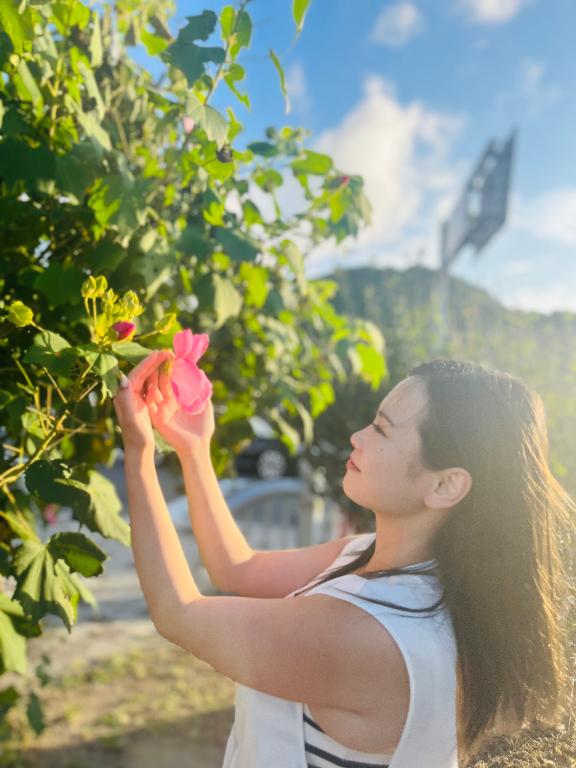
(449, 488)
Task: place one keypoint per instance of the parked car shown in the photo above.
(266, 456)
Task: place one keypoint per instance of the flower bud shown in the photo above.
(124, 329)
(101, 286)
(20, 315)
(88, 287)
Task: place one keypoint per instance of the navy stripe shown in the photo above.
(339, 761)
(313, 724)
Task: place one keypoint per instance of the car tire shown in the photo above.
(271, 464)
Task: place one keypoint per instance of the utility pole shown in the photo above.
(478, 215)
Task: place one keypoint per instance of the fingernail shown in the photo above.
(123, 381)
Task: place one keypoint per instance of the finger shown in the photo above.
(153, 391)
(138, 374)
(165, 386)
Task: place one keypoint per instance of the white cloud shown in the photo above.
(532, 85)
(550, 216)
(397, 24)
(297, 87)
(492, 11)
(558, 297)
(402, 152)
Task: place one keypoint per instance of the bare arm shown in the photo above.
(223, 547)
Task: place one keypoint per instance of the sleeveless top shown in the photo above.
(270, 731)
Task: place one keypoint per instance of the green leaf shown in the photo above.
(289, 435)
(27, 86)
(21, 162)
(276, 62)
(6, 49)
(234, 75)
(49, 480)
(237, 245)
(17, 26)
(299, 8)
(60, 284)
(215, 125)
(190, 58)
(51, 351)
(8, 698)
(93, 129)
(35, 714)
(99, 509)
(39, 586)
(227, 300)
(255, 280)
(12, 645)
(264, 149)
(154, 44)
(312, 163)
(307, 422)
(227, 17)
(130, 350)
(78, 552)
(243, 32)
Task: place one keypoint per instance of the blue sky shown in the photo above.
(407, 94)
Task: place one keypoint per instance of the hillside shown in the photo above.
(540, 349)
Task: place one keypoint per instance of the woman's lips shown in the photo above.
(352, 466)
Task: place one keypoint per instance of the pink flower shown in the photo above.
(49, 513)
(188, 124)
(125, 329)
(190, 385)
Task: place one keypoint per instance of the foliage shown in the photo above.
(125, 199)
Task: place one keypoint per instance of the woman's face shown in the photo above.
(390, 478)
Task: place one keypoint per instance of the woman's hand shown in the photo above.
(183, 431)
(130, 406)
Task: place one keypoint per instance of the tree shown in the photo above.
(124, 200)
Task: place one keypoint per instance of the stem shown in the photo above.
(49, 395)
(218, 76)
(13, 473)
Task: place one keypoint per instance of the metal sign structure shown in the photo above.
(478, 215)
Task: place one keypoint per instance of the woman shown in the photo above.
(401, 648)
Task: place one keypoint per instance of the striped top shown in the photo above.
(322, 751)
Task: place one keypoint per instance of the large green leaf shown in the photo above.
(238, 246)
(312, 163)
(211, 121)
(78, 552)
(18, 26)
(90, 495)
(51, 351)
(21, 162)
(100, 508)
(40, 586)
(50, 481)
(61, 284)
(190, 58)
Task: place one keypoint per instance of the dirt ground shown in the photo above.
(152, 705)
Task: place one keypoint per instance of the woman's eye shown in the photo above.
(379, 429)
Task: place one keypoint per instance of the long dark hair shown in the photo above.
(504, 556)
